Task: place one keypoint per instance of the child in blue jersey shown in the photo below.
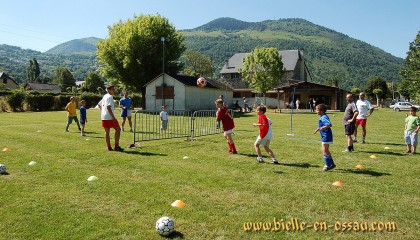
(324, 128)
(83, 119)
(126, 104)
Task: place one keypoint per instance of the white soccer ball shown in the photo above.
(165, 226)
(201, 82)
(2, 168)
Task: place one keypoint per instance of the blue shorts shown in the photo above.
(327, 138)
(82, 121)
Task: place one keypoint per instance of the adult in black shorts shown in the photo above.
(349, 121)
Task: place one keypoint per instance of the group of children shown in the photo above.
(72, 115)
(126, 104)
(412, 127)
(223, 115)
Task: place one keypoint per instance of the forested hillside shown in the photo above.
(327, 52)
(15, 60)
(84, 46)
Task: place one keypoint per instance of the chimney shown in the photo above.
(302, 65)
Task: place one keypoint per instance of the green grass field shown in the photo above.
(224, 193)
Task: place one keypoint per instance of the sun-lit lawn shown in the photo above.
(224, 193)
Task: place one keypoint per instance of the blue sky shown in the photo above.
(42, 24)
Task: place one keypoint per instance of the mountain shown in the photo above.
(15, 60)
(327, 53)
(78, 46)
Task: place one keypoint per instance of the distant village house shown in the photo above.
(43, 88)
(296, 83)
(7, 81)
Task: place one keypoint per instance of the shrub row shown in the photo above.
(19, 100)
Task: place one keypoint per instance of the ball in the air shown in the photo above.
(165, 226)
(201, 82)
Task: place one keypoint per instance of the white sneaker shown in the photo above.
(260, 160)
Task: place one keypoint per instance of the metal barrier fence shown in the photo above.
(147, 125)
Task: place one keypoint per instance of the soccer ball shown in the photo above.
(201, 82)
(165, 226)
(2, 168)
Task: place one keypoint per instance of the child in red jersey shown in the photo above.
(265, 135)
(224, 116)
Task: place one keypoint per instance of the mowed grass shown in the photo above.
(54, 200)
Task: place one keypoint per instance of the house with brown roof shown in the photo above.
(43, 88)
(7, 81)
(309, 92)
(297, 80)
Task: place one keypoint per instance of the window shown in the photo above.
(5, 80)
(234, 75)
(169, 92)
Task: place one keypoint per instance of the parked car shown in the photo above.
(391, 105)
(404, 106)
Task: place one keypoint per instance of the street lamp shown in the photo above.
(162, 39)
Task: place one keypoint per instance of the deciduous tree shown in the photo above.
(356, 91)
(263, 69)
(197, 64)
(33, 71)
(134, 53)
(410, 85)
(376, 82)
(92, 82)
(63, 78)
(332, 81)
(377, 92)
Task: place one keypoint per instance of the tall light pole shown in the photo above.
(162, 39)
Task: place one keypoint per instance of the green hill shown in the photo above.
(82, 46)
(15, 60)
(327, 53)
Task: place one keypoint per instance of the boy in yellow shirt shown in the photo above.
(71, 113)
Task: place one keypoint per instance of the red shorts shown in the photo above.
(361, 122)
(110, 124)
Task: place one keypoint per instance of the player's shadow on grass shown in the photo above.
(247, 114)
(250, 155)
(385, 153)
(244, 131)
(95, 133)
(90, 136)
(385, 144)
(366, 172)
(299, 165)
(144, 153)
(175, 234)
(255, 155)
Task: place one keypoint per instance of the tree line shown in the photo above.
(133, 55)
